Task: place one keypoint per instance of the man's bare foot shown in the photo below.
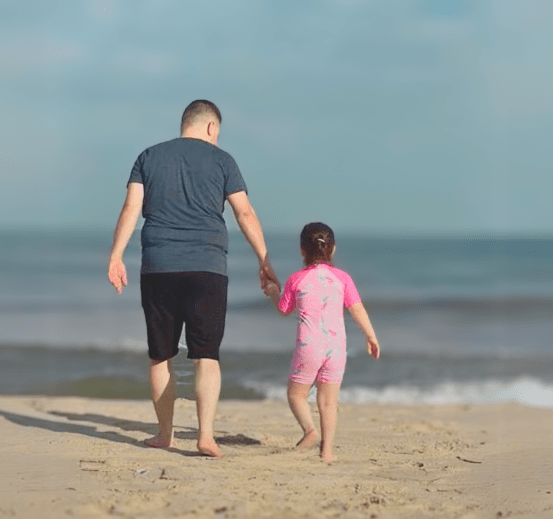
(308, 441)
(328, 457)
(209, 448)
(159, 442)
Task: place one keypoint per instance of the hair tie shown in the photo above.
(321, 240)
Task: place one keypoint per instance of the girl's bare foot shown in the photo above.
(328, 457)
(308, 441)
(209, 448)
(159, 442)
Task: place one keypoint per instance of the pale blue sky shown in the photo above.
(386, 116)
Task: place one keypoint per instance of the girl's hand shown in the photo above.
(373, 348)
(271, 289)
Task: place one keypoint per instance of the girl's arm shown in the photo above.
(273, 292)
(361, 318)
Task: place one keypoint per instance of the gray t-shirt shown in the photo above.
(186, 182)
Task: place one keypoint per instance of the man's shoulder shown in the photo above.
(181, 144)
(223, 153)
(223, 156)
(161, 146)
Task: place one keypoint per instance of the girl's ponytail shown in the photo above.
(317, 243)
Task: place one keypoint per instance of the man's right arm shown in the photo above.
(126, 225)
(251, 228)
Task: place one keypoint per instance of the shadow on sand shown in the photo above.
(189, 433)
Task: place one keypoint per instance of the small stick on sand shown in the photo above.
(467, 461)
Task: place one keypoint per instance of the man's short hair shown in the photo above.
(196, 110)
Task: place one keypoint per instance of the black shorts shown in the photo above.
(196, 299)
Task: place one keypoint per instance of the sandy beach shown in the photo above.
(77, 457)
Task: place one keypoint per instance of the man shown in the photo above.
(181, 186)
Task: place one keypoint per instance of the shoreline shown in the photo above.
(83, 457)
(397, 378)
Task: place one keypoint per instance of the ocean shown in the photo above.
(460, 319)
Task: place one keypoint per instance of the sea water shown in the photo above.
(460, 319)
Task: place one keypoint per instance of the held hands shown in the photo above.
(267, 275)
(271, 290)
(117, 274)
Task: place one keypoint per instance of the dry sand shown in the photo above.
(76, 457)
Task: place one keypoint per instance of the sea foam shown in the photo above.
(524, 390)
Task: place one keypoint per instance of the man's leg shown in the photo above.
(207, 390)
(205, 312)
(159, 293)
(162, 384)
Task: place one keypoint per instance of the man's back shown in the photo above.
(186, 182)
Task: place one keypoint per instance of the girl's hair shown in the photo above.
(317, 243)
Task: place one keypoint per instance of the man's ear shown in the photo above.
(212, 132)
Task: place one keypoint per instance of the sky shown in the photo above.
(373, 116)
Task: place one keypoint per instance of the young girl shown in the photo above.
(319, 292)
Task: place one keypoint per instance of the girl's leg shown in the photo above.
(327, 401)
(297, 398)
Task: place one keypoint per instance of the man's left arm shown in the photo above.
(126, 225)
(251, 228)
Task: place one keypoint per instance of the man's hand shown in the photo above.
(117, 274)
(126, 225)
(267, 275)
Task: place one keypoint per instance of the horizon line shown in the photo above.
(345, 231)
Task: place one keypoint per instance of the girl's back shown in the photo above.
(319, 292)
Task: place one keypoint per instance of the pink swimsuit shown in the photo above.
(319, 293)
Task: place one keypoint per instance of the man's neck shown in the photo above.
(198, 135)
